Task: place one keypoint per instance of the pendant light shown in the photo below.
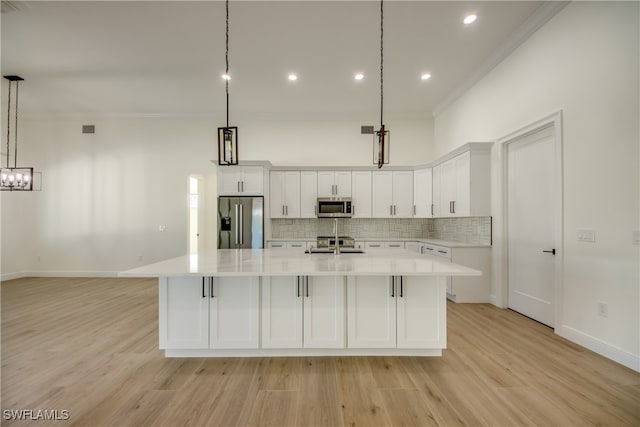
(14, 178)
(381, 137)
(228, 135)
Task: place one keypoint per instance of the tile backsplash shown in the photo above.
(466, 230)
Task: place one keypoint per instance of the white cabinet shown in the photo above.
(411, 246)
(202, 312)
(184, 313)
(308, 194)
(361, 194)
(293, 244)
(234, 312)
(394, 245)
(462, 184)
(303, 312)
(373, 245)
(393, 194)
(395, 312)
(334, 184)
(422, 193)
(240, 180)
(421, 319)
(371, 312)
(285, 194)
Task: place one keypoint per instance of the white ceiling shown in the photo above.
(129, 58)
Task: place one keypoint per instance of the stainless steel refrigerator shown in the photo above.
(240, 222)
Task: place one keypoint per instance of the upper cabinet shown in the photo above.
(334, 183)
(308, 194)
(240, 180)
(462, 184)
(392, 194)
(284, 189)
(422, 192)
(361, 194)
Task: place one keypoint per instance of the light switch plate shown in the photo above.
(586, 235)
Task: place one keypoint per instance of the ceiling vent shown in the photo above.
(88, 128)
(366, 130)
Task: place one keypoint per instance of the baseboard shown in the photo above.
(11, 276)
(617, 354)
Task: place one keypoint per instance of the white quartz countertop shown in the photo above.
(439, 242)
(294, 262)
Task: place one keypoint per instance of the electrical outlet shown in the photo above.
(603, 309)
(586, 235)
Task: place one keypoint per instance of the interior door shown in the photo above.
(530, 225)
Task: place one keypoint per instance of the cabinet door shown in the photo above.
(462, 196)
(342, 180)
(277, 194)
(229, 178)
(361, 194)
(422, 191)
(252, 182)
(184, 312)
(437, 202)
(292, 194)
(234, 308)
(282, 312)
(371, 312)
(421, 312)
(324, 312)
(382, 195)
(448, 188)
(326, 186)
(403, 194)
(308, 194)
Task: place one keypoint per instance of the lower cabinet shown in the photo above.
(303, 312)
(204, 312)
(396, 312)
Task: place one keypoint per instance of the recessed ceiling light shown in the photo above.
(292, 77)
(359, 76)
(425, 76)
(226, 76)
(470, 19)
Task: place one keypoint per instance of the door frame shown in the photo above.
(500, 210)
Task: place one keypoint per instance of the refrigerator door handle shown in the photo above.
(241, 225)
(237, 224)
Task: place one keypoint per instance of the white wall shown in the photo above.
(584, 62)
(105, 195)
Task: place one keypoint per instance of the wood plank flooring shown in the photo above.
(90, 346)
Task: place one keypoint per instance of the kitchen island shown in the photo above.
(263, 302)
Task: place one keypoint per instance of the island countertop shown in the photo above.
(294, 262)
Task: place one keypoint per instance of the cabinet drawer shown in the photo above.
(394, 245)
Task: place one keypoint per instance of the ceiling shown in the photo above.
(165, 58)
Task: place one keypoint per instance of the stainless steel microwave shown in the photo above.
(335, 207)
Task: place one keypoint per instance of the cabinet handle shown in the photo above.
(242, 186)
(454, 206)
(414, 209)
(394, 209)
(552, 251)
(286, 209)
(211, 287)
(282, 210)
(298, 287)
(238, 186)
(393, 283)
(450, 207)
(401, 290)
(203, 295)
(431, 209)
(306, 280)
(390, 209)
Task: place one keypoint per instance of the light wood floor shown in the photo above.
(89, 346)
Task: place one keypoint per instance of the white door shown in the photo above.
(421, 312)
(234, 310)
(324, 308)
(361, 194)
(530, 225)
(382, 195)
(371, 312)
(308, 194)
(403, 194)
(282, 312)
(184, 312)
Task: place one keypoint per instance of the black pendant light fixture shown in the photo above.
(14, 178)
(381, 137)
(228, 135)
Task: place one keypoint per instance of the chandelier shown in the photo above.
(381, 138)
(14, 178)
(228, 135)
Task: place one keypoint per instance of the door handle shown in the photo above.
(552, 251)
(401, 289)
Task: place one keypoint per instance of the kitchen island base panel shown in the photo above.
(311, 352)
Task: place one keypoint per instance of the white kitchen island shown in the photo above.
(263, 302)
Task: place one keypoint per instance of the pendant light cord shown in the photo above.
(381, 60)
(226, 58)
(8, 122)
(15, 132)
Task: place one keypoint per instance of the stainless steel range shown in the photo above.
(329, 242)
